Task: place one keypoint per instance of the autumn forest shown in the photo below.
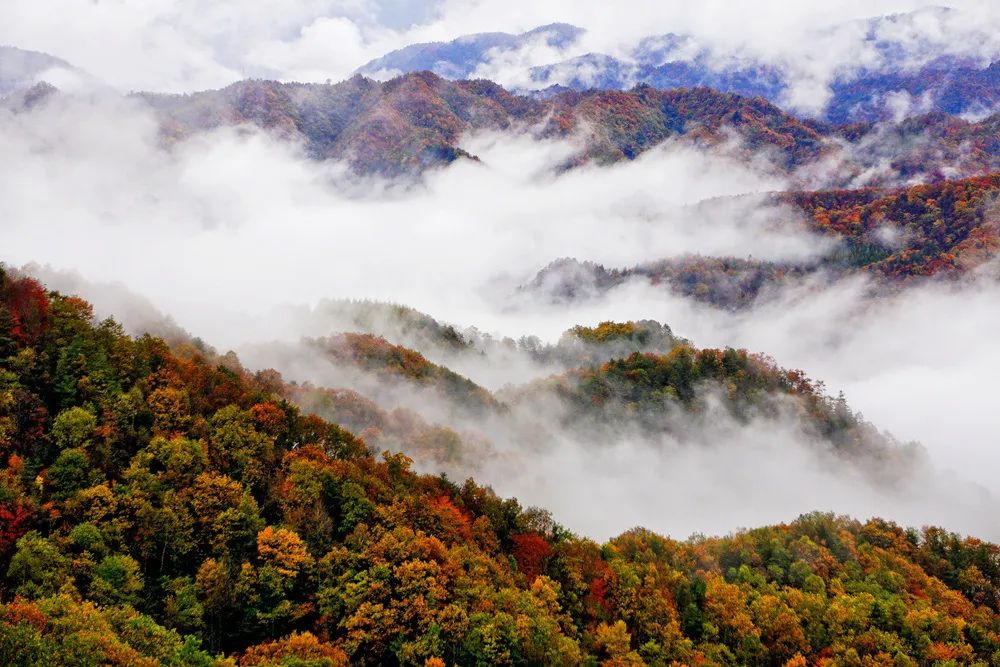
(387, 334)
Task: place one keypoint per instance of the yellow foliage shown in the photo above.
(283, 549)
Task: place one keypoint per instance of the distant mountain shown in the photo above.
(946, 85)
(594, 70)
(20, 69)
(954, 86)
(401, 126)
(459, 58)
(415, 121)
(939, 70)
(406, 125)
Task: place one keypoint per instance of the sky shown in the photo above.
(232, 233)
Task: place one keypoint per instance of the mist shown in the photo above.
(180, 46)
(243, 223)
(239, 238)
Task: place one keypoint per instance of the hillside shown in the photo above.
(21, 69)
(417, 121)
(168, 507)
(401, 126)
(947, 229)
(655, 394)
(375, 355)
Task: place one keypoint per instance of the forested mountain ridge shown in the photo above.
(167, 507)
(415, 121)
(948, 229)
(406, 125)
(599, 382)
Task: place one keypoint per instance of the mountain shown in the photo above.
(415, 121)
(946, 229)
(21, 69)
(604, 72)
(618, 377)
(373, 354)
(398, 127)
(165, 506)
(926, 147)
(656, 394)
(461, 57)
(948, 85)
(625, 124)
(923, 59)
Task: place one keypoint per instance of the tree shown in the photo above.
(38, 568)
(70, 472)
(74, 427)
(117, 581)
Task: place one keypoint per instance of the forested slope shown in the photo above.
(165, 506)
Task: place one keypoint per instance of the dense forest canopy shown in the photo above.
(165, 506)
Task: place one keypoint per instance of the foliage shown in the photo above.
(213, 523)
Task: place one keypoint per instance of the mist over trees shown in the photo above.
(582, 334)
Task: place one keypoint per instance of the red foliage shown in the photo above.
(20, 610)
(942, 227)
(268, 417)
(28, 305)
(15, 519)
(530, 551)
(452, 519)
(599, 593)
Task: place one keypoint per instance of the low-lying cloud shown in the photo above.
(239, 237)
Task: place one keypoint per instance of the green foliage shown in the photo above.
(70, 472)
(178, 506)
(73, 428)
(38, 567)
(117, 580)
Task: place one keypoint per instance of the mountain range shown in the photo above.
(418, 121)
(897, 56)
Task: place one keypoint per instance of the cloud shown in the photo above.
(734, 477)
(239, 237)
(185, 45)
(244, 223)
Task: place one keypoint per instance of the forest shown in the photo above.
(164, 506)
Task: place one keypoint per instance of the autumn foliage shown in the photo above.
(165, 506)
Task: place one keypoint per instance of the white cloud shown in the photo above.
(184, 45)
(232, 228)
